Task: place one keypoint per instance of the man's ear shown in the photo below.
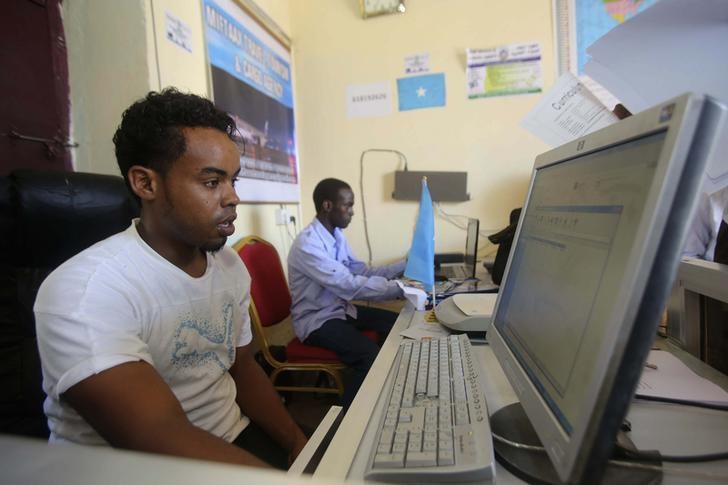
(326, 206)
(144, 182)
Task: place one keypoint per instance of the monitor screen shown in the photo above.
(568, 267)
(471, 247)
(591, 266)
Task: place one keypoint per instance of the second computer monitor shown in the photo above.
(471, 247)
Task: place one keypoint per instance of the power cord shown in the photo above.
(483, 233)
(683, 402)
(402, 158)
(638, 455)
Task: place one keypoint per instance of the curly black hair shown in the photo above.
(150, 133)
(327, 189)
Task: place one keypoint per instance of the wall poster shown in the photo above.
(250, 78)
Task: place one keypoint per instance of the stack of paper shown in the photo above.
(666, 376)
(673, 47)
(670, 48)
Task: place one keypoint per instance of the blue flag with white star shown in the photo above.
(416, 92)
(421, 257)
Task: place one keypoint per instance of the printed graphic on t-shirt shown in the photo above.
(202, 341)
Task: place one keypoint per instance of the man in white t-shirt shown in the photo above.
(145, 337)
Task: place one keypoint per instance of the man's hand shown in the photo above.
(298, 445)
(261, 403)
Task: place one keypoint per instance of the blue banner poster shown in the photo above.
(417, 92)
(250, 73)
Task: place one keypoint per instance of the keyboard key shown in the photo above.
(445, 457)
(389, 461)
(425, 458)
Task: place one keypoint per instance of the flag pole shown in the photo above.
(434, 301)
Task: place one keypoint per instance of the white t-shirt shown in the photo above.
(120, 301)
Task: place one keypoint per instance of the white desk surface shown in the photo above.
(32, 461)
(655, 426)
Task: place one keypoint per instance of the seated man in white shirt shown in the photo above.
(145, 337)
(325, 277)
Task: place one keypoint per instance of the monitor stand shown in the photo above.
(511, 423)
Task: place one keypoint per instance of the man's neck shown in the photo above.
(189, 259)
(326, 223)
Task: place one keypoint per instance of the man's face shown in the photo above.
(343, 209)
(199, 193)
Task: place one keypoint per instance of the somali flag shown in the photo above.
(427, 91)
(421, 258)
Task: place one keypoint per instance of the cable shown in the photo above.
(514, 444)
(288, 231)
(638, 455)
(641, 466)
(450, 217)
(683, 402)
(361, 189)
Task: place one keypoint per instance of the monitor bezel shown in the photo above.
(670, 201)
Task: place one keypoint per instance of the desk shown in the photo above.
(655, 426)
(25, 460)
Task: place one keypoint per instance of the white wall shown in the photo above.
(118, 51)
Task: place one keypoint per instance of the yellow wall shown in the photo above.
(334, 48)
(118, 51)
(108, 70)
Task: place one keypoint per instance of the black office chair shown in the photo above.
(45, 218)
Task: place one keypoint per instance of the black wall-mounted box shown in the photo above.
(444, 186)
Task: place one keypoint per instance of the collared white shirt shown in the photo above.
(324, 277)
(703, 235)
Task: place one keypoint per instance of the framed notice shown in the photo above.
(250, 77)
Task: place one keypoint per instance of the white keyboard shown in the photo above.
(435, 426)
(455, 272)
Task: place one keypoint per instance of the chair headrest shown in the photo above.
(268, 289)
(55, 215)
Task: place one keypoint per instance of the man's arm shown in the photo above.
(259, 401)
(338, 278)
(132, 407)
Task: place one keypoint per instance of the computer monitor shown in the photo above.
(471, 247)
(591, 267)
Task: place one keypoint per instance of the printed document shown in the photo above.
(567, 111)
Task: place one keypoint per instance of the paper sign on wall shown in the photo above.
(364, 100)
(178, 32)
(504, 70)
(417, 63)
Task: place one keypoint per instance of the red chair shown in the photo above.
(270, 314)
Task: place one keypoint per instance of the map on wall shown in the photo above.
(580, 23)
(594, 18)
(250, 75)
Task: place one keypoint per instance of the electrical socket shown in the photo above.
(282, 217)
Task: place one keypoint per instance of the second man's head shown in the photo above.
(334, 202)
